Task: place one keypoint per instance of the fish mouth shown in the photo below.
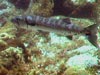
(19, 24)
(13, 20)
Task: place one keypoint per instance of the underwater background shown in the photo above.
(30, 52)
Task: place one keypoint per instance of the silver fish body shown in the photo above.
(61, 26)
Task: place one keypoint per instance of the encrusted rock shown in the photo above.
(76, 71)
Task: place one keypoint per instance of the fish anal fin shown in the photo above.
(70, 37)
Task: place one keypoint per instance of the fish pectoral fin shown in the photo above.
(43, 32)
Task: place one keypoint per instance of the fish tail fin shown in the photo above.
(91, 33)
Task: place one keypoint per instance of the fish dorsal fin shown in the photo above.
(67, 20)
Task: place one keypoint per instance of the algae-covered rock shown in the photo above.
(76, 71)
(5, 36)
(3, 45)
(43, 8)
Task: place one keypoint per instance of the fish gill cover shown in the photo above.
(26, 52)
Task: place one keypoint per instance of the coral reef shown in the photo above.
(87, 10)
(20, 4)
(6, 8)
(34, 53)
(83, 60)
(43, 8)
(26, 52)
(82, 9)
(76, 71)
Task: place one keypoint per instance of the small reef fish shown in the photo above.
(60, 26)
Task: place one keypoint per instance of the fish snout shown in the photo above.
(13, 20)
(16, 19)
